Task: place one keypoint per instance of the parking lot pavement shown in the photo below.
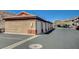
(8, 39)
(58, 39)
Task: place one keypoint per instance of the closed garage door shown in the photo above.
(38, 27)
(17, 26)
(44, 27)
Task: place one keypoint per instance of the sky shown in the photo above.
(50, 15)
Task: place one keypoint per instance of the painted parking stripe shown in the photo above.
(20, 42)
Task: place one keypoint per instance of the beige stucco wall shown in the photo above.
(31, 26)
(19, 26)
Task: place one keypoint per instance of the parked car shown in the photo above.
(65, 26)
(77, 27)
(58, 25)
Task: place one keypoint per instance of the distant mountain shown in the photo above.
(5, 14)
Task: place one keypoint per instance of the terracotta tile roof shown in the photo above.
(23, 13)
(24, 16)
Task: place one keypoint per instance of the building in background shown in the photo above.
(63, 22)
(25, 23)
(76, 21)
(69, 23)
(2, 22)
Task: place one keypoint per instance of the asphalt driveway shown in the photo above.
(8, 39)
(58, 39)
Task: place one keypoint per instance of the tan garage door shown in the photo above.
(17, 26)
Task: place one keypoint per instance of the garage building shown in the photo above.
(25, 23)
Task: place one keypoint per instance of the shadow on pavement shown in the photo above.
(49, 31)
